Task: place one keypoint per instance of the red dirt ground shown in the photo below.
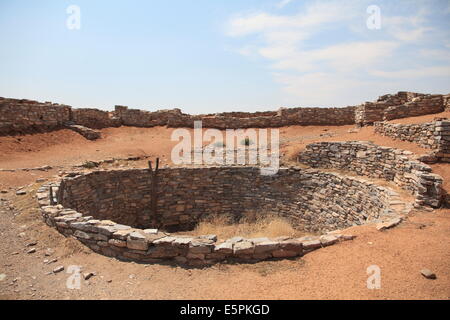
(337, 272)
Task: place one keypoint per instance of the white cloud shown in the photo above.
(348, 55)
(283, 3)
(439, 71)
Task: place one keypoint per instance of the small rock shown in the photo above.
(21, 192)
(58, 269)
(428, 274)
(88, 275)
(2, 277)
(32, 250)
(32, 243)
(49, 252)
(4, 191)
(389, 224)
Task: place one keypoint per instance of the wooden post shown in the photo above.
(154, 175)
(52, 199)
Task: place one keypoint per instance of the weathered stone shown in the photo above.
(117, 243)
(328, 240)
(428, 274)
(388, 224)
(225, 248)
(243, 248)
(137, 242)
(266, 246)
(282, 253)
(196, 247)
(311, 244)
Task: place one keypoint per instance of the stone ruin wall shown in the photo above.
(235, 120)
(94, 118)
(402, 105)
(368, 159)
(309, 199)
(306, 196)
(22, 116)
(28, 116)
(432, 135)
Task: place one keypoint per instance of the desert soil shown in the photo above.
(337, 272)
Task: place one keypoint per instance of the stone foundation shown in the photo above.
(368, 159)
(309, 199)
(432, 135)
(109, 210)
(20, 116)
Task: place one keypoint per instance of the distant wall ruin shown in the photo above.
(22, 116)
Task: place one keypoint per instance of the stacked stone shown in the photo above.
(23, 116)
(368, 159)
(235, 120)
(94, 118)
(88, 133)
(370, 112)
(153, 246)
(447, 102)
(419, 106)
(310, 199)
(20, 115)
(432, 135)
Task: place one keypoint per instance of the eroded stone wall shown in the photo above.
(23, 116)
(432, 135)
(18, 116)
(401, 105)
(368, 159)
(310, 199)
(94, 118)
(235, 120)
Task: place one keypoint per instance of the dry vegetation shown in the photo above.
(251, 225)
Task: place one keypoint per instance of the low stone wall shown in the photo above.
(368, 159)
(18, 116)
(94, 118)
(88, 133)
(235, 120)
(446, 99)
(23, 116)
(309, 199)
(153, 246)
(402, 105)
(432, 135)
(417, 107)
(108, 211)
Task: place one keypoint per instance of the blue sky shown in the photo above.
(208, 56)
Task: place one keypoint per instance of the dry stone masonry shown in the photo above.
(432, 135)
(108, 211)
(312, 200)
(19, 116)
(401, 105)
(368, 159)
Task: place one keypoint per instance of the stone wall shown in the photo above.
(419, 106)
(402, 105)
(94, 118)
(432, 135)
(153, 246)
(104, 209)
(446, 99)
(17, 116)
(23, 116)
(309, 199)
(368, 159)
(235, 120)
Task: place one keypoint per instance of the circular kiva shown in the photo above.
(128, 214)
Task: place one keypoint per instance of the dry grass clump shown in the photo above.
(251, 225)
